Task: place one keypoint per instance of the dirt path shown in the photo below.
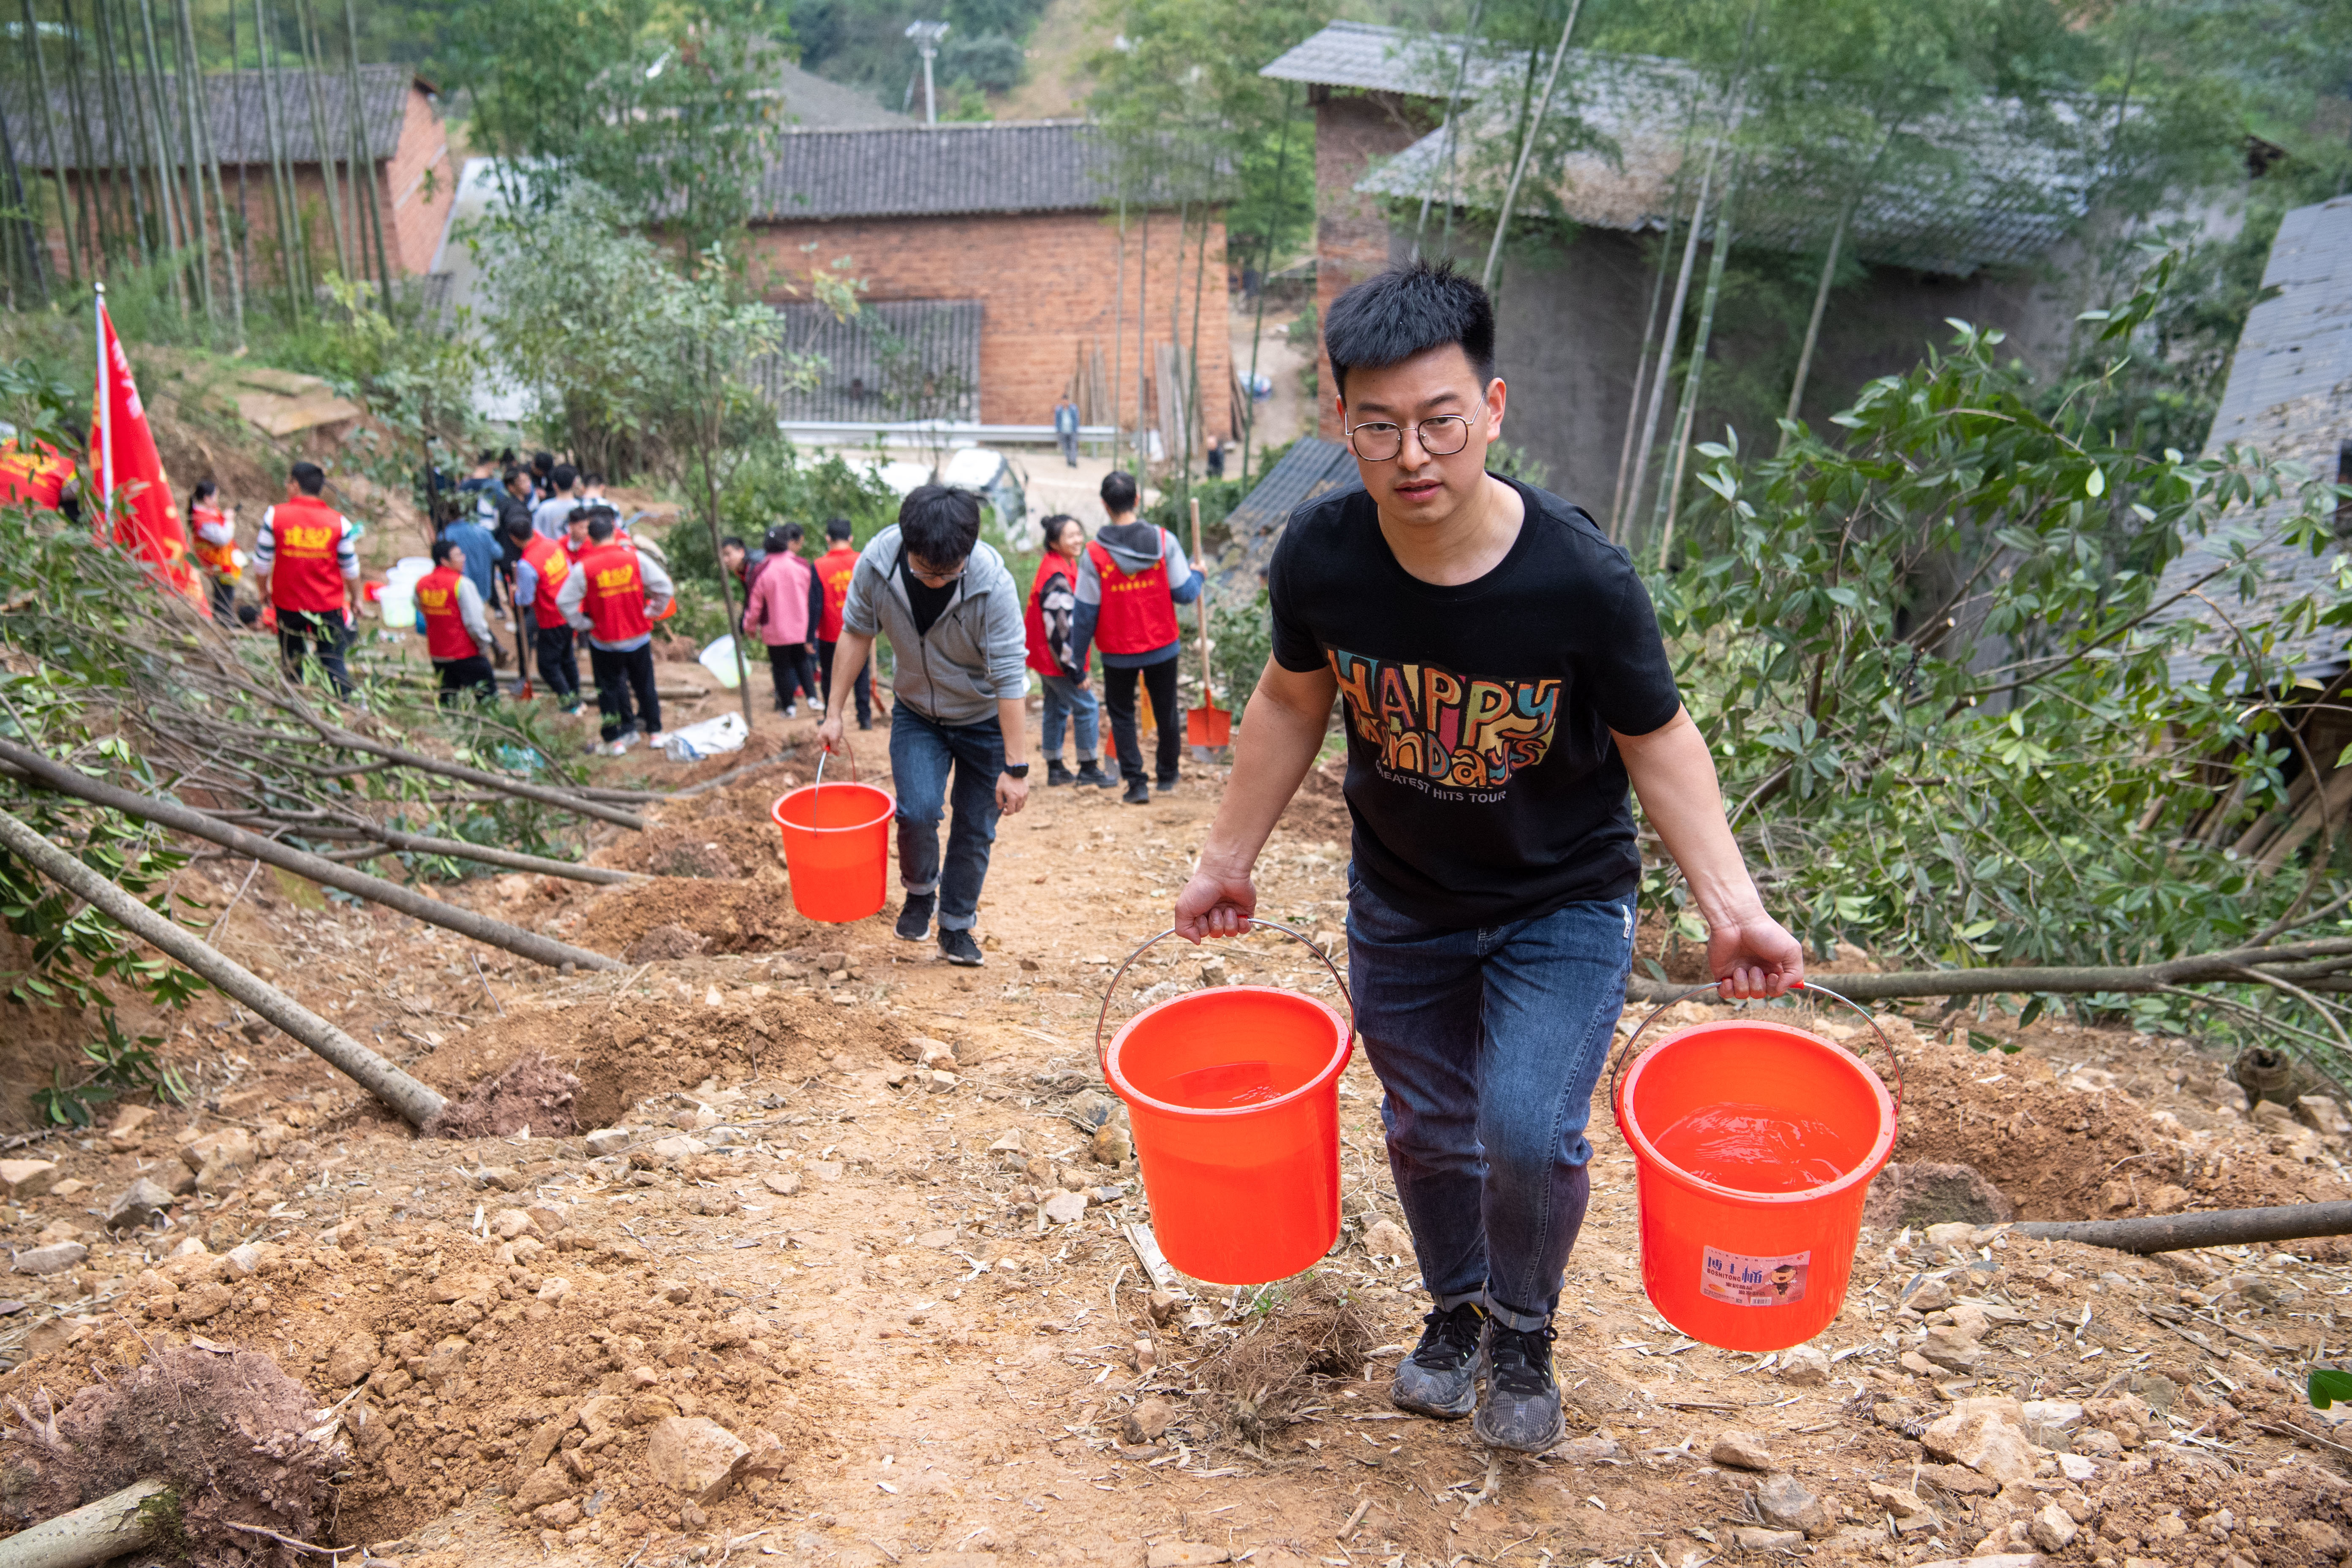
(838, 1256)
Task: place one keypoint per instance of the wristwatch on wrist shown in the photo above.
(1016, 770)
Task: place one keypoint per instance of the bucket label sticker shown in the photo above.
(1745, 1281)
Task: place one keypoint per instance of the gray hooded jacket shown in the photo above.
(975, 653)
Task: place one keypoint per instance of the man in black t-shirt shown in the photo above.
(1504, 682)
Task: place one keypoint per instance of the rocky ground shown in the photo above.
(831, 1255)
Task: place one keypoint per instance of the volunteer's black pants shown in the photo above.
(618, 674)
(1119, 697)
(558, 663)
(466, 678)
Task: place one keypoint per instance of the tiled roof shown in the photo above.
(1979, 192)
(942, 347)
(1312, 469)
(939, 170)
(2290, 397)
(234, 106)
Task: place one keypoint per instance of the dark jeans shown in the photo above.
(1489, 1042)
(618, 673)
(558, 663)
(793, 670)
(1119, 697)
(1069, 442)
(324, 632)
(466, 678)
(864, 682)
(921, 754)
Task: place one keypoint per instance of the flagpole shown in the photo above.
(105, 414)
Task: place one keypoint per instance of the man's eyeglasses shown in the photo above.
(942, 579)
(1377, 441)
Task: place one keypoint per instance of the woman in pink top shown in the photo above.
(777, 613)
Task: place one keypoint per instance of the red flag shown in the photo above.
(130, 472)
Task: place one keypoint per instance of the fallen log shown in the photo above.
(2216, 1227)
(417, 1103)
(56, 777)
(563, 800)
(136, 1518)
(2301, 962)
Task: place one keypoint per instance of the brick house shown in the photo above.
(997, 279)
(407, 160)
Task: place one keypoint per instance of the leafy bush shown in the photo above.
(990, 62)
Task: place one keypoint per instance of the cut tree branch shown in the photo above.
(2026, 979)
(2220, 1228)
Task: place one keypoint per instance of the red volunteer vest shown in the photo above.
(614, 602)
(574, 554)
(306, 536)
(554, 565)
(834, 569)
(445, 636)
(219, 560)
(1136, 614)
(1040, 654)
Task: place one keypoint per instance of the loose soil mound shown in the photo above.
(225, 1427)
(528, 1093)
(731, 916)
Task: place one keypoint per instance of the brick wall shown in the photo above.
(1050, 287)
(414, 208)
(1352, 232)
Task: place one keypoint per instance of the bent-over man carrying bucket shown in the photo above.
(1504, 681)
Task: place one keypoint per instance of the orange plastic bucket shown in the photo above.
(1754, 1143)
(836, 848)
(1233, 1094)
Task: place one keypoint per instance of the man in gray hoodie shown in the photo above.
(953, 619)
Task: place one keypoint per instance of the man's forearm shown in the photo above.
(848, 659)
(1674, 775)
(1277, 745)
(1012, 717)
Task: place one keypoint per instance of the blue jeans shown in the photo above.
(1488, 1043)
(921, 754)
(1067, 702)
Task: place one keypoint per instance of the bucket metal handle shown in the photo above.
(1626, 1052)
(825, 752)
(1346, 1000)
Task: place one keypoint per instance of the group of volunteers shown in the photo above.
(1503, 691)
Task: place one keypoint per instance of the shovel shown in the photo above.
(1207, 725)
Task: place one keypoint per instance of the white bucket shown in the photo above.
(718, 658)
(398, 601)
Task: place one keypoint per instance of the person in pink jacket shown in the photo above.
(777, 613)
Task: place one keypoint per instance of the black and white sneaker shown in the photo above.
(958, 948)
(1521, 1409)
(915, 919)
(1057, 774)
(1440, 1377)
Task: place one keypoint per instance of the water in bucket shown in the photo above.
(1233, 1097)
(1754, 1144)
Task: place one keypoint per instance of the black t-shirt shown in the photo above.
(926, 603)
(1481, 775)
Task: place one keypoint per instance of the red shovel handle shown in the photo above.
(1626, 1052)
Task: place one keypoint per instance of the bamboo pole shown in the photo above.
(311, 72)
(293, 247)
(366, 159)
(1619, 502)
(1526, 149)
(1452, 135)
(560, 799)
(417, 1103)
(178, 240)
(207, 154)
(1672, 334)
(185, 819)
(105, 224)
(118, 132)
(191, 144)
(236, 117)
(1672, 499)
(66, 214)
(395, 840)
(23, 227)
(1265, 277)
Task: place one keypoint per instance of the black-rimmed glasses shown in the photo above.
(1378, 441)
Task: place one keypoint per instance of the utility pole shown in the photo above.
(927, 36)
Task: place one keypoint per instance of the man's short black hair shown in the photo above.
(512, 474)
(591, 478)
(541, 462)
(940, 524)
(736, 540)
(444, 548)
(518, 528)
(1410, 310)
(793, 533)
(601, 521)
(562, 476)
(308, 478)
(1118, 491)
(840, 528)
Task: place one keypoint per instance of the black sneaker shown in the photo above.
(1137, 794)
(1056, 774)
(1166, 786)
(915, 919)
(1090, 772)
(1441, 1377)
(1521, 1409)
(958, 948)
